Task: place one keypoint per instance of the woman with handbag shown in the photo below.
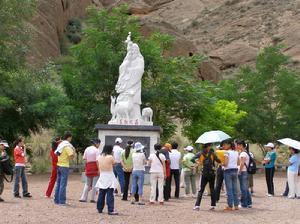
(127, 167)
(157, 174)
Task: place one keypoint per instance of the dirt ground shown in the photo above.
(41, 210)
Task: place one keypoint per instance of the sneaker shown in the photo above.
(196, 208)
(82, 200)
(47, 196)
(212, 208)
(236, 208)
(65, 205)
(100, 211)
(291, 197)
(227, 208)
(194, 196)
(92, 201)
(27, 195)
(113, 213)
(249, 206)
(141, 203)
(270, 195)
(17, 196)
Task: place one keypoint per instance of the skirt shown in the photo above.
(106, 180)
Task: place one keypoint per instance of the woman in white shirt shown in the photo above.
(231, 175)
(91, 155)
(138, 171)
(157, 174)
(246, 199)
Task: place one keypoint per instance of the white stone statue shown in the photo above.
(126, 108)
(147, 114)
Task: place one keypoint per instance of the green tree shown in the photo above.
(222, 115)
(268, 93)
(28, 99)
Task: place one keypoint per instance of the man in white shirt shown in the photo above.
(175, 158)
(118, 168)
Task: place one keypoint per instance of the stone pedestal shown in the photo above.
(147, 135)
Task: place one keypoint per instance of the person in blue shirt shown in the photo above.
(292, 174)
(269, 163)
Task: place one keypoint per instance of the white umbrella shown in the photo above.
(212, 137)
(290, 142)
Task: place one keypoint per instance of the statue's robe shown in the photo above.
(130, 79)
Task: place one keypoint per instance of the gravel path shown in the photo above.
(41, 210)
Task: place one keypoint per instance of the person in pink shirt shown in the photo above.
(91, 155)
(19, 156)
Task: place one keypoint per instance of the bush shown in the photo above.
(73, 30)
(40, 146)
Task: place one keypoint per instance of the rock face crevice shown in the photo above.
(48, 27)
(229, 32)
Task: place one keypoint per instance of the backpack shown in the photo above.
(251, 168)
(7, 168)
(208, 169)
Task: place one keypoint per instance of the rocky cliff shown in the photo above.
(48, 27)
(229, 32)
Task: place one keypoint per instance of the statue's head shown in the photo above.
(134, 51)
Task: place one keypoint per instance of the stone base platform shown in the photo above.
(147, 135)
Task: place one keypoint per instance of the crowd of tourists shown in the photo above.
(117, 171)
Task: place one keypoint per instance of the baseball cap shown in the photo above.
(168, 146)
(189, 148)
(270, 145)
(118, 140)
(3, 142)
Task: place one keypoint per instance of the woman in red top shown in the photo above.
(19, 156)
(54, 159)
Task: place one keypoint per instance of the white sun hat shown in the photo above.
(270, 145)
(118, 140)
(189, 148)
(138, 147)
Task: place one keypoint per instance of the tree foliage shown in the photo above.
(28, 99)
(269, 95)
(222, 115)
